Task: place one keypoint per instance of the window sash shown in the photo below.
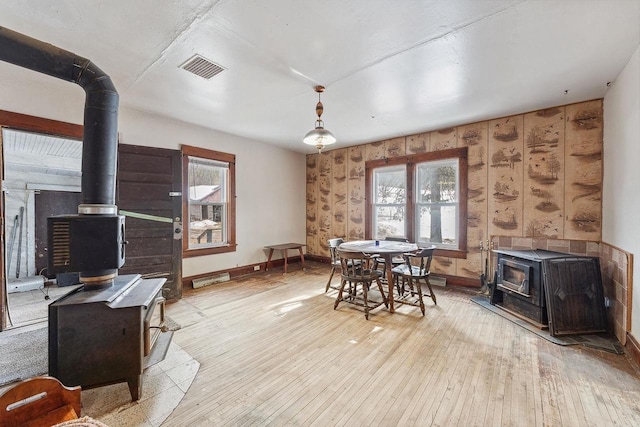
(452, 223)
(423, 168)
(212, 236)
(422, 171)
(382, 229)
(395, 224)
(384, 176)
(207, 162)
(209, 235)
(221, 167)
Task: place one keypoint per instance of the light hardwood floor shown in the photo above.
(274, 352)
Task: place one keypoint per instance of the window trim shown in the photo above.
(410, 161)
(187, 151)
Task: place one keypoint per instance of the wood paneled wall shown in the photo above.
(531, 175)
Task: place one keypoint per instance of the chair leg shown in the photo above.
(406, 285)
(385, 298)
(366, 303)
(433, 296)
(419, 288)
(412, 289)
(397, 279)
(353, 289)
(408, 288)
(333, 270)
(339, 297)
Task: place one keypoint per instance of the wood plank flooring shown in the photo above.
(273, 352)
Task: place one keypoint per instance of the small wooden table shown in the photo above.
(387, 249)
(283, 247)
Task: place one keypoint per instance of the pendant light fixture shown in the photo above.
(319, 137)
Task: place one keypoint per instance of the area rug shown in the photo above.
(604, 342)
(24, 355)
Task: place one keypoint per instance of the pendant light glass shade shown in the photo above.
(319, 137)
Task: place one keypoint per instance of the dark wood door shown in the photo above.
(148, 194)
(50, 203)
(3, 285)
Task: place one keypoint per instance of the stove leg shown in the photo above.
(135, 386)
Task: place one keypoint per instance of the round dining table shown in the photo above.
(387, 249)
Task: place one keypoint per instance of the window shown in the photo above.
(389, 201)
(208, 202)
(421, 197)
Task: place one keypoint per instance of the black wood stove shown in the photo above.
(109, 335)
(104, 331)
(555, 290)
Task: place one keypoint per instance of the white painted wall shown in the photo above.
(270, 186)
(621, 191)
(270, 181)
(49, 97)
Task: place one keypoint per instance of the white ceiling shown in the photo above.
(391, 68)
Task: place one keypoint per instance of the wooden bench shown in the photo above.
(284, 247)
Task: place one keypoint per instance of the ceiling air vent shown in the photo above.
(202, 67)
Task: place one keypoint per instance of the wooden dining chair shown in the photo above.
(357, 272)
(335, 260)
(380, 262)
(409, 275)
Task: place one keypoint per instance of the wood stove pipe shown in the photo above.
(99, 147)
